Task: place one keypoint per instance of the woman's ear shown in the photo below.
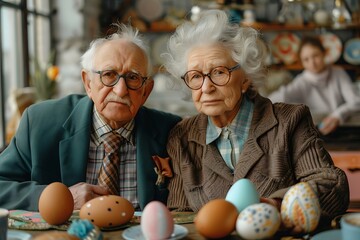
(245, 85)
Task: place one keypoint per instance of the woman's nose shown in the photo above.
(208, 85)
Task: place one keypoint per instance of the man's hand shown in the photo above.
(83, 192)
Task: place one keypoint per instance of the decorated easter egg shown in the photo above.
(107, 211)
(156, 221)
(242, 194)
(258, 221)
(216, 219)
(300, 207)
(56, 203)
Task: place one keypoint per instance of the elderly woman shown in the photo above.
(238, 133)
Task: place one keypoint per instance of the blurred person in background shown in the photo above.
(326, 89)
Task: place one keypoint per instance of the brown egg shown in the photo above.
(216, 219)
(56, 203)
(107, 211)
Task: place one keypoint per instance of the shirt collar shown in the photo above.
(213, 132)
(101, 128)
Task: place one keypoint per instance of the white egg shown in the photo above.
(242, 194)
(258, 221)
(300, 207)
(156, 221)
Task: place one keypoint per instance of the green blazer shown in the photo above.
(52, 145)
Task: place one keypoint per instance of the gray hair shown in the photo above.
(125, 32)
(213, 26)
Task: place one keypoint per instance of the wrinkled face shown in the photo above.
(221, 103)
(117, 105)
(312, 58)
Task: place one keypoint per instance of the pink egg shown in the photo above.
(156, 221)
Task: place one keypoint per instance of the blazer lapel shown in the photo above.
(263, 120)
(214, 162)
(147, 144)
(212, 159)
(74, 148)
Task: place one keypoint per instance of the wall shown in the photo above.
(75, 25)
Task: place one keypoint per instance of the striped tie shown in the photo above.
(109, 172)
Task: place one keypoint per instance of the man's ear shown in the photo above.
(86, 81)
(149, 85)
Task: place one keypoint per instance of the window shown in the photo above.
(25, 34)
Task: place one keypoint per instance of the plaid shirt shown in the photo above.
(127, 153)
(230, 140)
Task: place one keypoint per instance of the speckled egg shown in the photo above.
(107, 211)
(156, 221)
(300, 207)
(258, 221)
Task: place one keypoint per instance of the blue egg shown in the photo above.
(242, 194)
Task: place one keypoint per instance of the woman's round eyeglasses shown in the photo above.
(110, 78)
(219, 76)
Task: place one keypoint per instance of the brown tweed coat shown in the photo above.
(282, 149)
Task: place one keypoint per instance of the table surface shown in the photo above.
(186, 219)
(192, 234)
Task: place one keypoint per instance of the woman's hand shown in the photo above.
(276, 202)
(328, 125)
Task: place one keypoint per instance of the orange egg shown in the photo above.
(56, 203)
(216, 219)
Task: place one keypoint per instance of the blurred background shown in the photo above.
(41, 42)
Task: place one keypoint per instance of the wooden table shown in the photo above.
(115, 235)
(192, 235)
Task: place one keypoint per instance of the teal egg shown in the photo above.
(242, 194)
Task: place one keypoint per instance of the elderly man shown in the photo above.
(67, 140)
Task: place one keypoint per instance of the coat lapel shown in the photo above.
(263, 120)
(74, 148)
(147, 144)
(212, 159)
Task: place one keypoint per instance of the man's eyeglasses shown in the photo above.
(219, 76)
(110, 78)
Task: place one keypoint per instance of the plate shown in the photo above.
(135, 233)
(334, 234)
(17, 235)
(285, 46)
(333, 47)
(352, 51)
(150, 10)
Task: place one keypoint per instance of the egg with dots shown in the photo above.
(300, 208)
(156, 221)
(107, 211)
(242, 194)
(258, 221)
(56, 203)
(216, 219)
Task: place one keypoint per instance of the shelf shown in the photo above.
(299, 67)
(286, 27)
(163, 26)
